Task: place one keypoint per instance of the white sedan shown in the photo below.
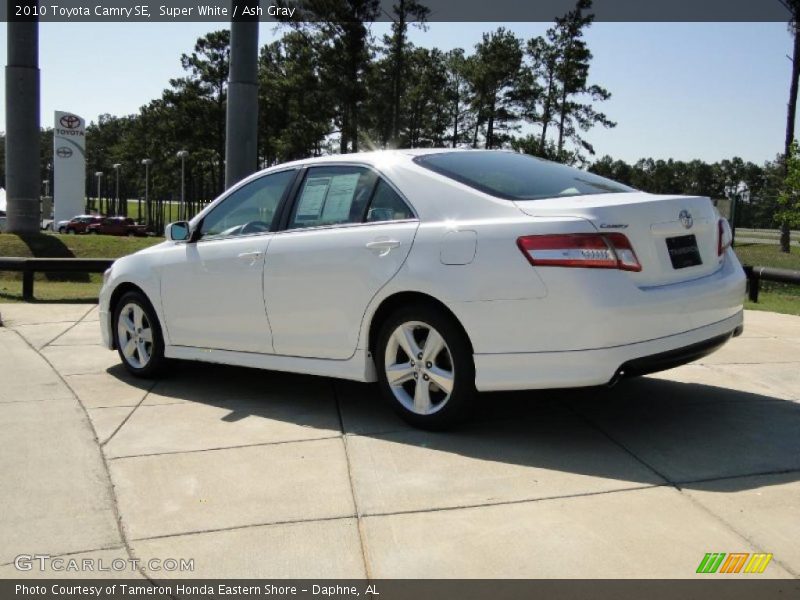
(436, 273)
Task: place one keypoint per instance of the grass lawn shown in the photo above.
(171, 211)
(63, 287)
(774, 297)
(783, 298)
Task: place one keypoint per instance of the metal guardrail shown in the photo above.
(29, 266)
(755, 275)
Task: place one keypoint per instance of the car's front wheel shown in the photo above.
(137, 335)
(425, 367)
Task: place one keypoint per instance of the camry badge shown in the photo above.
(613, 225)
(686, 219)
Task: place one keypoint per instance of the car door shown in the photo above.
(212, 288)
(346, 235)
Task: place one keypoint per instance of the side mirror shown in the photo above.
(177, 232)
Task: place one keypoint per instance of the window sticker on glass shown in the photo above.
(340, 198)
(313, 199)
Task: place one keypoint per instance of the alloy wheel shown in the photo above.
(419, 367)
(135, 335)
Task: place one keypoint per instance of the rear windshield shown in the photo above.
(517, 176)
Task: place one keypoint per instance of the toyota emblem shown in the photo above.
(686, 219)
(70, 121)
(64, 152)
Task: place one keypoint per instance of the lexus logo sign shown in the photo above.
(64, 152)
(70, 121)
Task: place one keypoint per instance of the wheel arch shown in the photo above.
(400, 299)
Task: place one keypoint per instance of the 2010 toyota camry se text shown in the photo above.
(436, 273)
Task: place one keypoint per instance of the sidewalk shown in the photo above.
(262, 474)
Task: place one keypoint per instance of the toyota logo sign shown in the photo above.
(64, 152)
(686, 219)
(70, 121)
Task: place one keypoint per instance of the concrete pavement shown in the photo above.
(263, 474)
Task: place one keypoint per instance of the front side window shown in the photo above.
(514, 176)
(333, 196)
(248, 210)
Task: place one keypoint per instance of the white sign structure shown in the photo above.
(69, 166)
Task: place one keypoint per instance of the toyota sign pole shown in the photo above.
(69, 166)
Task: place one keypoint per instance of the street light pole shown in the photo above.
(182, 154)
(99, 175)
(117, 199)
(146, 162)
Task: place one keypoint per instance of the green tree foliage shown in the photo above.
(789, 198)
(295, 114)
(755, 186)
(338, 31)
(398, 52)
(494, 73)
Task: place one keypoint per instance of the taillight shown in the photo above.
(587, 250)
(724, 236)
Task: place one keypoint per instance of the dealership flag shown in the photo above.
(69, 164)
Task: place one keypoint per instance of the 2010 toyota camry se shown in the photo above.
(436, 273)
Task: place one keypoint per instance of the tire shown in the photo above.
(133, 316)
(452, 365)
(61, 230)
(71, 231)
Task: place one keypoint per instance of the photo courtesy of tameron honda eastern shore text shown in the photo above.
(436, 273)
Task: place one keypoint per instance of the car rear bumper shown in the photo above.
(600, 366)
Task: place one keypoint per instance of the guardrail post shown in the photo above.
(752, 283)
(27, 285)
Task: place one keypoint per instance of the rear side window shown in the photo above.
(387, 205)
(514, 176)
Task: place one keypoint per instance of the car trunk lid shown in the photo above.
(674, 237)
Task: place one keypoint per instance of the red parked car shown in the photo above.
(78, 224)
(117, 226)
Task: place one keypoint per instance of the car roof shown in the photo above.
(373, 157)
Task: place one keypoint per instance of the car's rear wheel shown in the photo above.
(137, 335)
(425, 367)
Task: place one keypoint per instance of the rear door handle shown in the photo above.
(385, 246)
(251, 256)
